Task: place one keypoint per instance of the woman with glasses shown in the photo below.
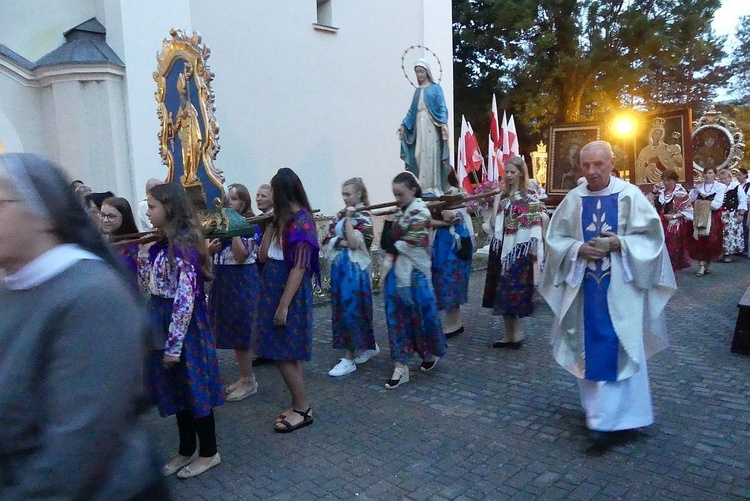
(115, 219)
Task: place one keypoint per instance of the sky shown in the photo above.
(728, 16)
(725, 22)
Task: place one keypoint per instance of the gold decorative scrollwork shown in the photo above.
(196, 129)
(717, 142)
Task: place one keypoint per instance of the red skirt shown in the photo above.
(708, 248)
(677, 237)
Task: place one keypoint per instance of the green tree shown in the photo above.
(558, 61)
(740, 60)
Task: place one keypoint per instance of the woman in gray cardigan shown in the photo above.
(71, 350)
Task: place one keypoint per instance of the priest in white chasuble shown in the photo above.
(607, 280)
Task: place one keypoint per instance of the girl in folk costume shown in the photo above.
(290, 251)
(706, 244)
(347, 247)
(733, 211)
(115, 219)
(234, 297)
(184, 374)
(516, 252)
(675, 210)
(452, 248)
(410, 307)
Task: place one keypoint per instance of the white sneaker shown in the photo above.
(367, 355)
(343, 368)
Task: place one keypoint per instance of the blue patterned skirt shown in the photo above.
(294, 341)
(511, 293)
(450, 275)
(413, 327)
(351, 305)
(195, 383)
(233, 305)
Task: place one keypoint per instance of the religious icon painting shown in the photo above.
(566, 141)
(717, 142)
(663, 141)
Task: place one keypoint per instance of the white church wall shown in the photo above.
(22, 129)
(138, 28)
(325, 104)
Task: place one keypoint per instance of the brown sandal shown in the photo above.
(284, 426)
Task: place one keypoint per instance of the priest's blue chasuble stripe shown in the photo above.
(600, 340)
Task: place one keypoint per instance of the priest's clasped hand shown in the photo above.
(598, 247)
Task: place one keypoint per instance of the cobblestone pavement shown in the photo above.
(493, 424)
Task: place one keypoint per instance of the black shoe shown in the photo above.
(261, 361)
(516, 345)
(456, 332)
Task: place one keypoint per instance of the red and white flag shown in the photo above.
(494, 155)
(461, 164)
(469, 161)
(504, 140)
(512, 138)
(475, 162)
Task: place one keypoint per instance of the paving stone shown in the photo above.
(492, 424)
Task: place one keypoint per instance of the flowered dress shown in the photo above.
(677, 231)
(300, 249)
(129, 258)
(706, 242)
(450, 274)
(735, 200)
(351, 283)
(516, 252)
(235, 291)
(178, 309)
(410, 306)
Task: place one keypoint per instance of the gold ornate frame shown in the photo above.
(191, 50)
(561, 176)
(713, 123)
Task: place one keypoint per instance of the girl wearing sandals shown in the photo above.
(516, 249)
(184, 374)
(410, 306)
(290, 252)
(234, 297)
(347, 247)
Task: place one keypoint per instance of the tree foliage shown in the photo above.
(740, 65)
(558, 61)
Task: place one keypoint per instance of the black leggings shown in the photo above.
(204, 428)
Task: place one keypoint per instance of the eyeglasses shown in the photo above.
(107, 217)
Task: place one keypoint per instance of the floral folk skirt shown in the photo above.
(733, 241)
(293, 341)
(509, 292)
(450, 275)
(194, 384)
(351, 305)
(413, 325)
(233, 305)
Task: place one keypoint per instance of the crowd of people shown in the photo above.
(174, 300)
(706, 224)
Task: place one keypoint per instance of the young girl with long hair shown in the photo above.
(115, 219)
(347, 247)
(184, 375)
(410, 307)
(452, 249)
(290, 251)
(234, 296)
(516, 251)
